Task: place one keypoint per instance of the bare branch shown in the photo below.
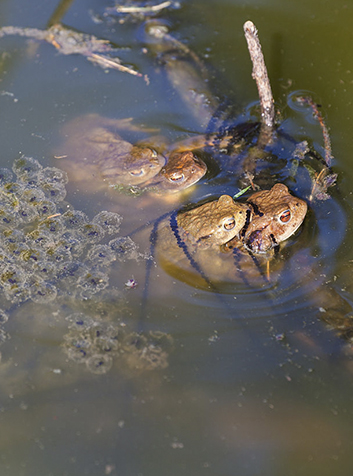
(260, 75)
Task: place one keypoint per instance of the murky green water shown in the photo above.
(249, 383)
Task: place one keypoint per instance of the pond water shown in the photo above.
(103, 378)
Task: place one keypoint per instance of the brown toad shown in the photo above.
(97, 154)
(189, 234)
(211, 224)
(276, 215)
(264, 226)
(182, 170)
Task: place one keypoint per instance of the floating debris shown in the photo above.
(325, 178)
(241, 192)
(131, 283)
(140, 10)
(69, 42)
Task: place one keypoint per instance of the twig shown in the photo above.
(50, 217)
(325, 178)
(325, 133)
(260, 75)
(114, 63)
(152, 8)
(69, 42)
(185, 71)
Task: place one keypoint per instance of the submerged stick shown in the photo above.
(147, 9)
(327, 141)
(326, 178)
(69, 42)
(260, 75)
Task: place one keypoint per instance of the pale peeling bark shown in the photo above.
(260, 75)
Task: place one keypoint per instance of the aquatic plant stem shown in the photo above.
(59, 12)
(260, 75)
(327, 141)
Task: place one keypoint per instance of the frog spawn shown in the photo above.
(3, 334)
(46, 247)
(50, 250)
(96, 344)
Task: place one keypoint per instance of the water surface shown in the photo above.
(252, 383)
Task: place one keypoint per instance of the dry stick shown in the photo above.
(260, 75)
(152, 8)
(106, 62)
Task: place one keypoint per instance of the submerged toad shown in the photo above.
(97, 154)
(95, 150)
(182, 170)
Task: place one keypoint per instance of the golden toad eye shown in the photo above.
(137, 173)
(229, 223)
(285, 216)
(176, 177)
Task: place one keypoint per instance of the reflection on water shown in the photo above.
(100, 378)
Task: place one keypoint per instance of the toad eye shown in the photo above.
(285, 216)
(229, 223)
(176, 177)
(137, 172)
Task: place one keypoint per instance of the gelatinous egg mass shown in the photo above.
(46, 247)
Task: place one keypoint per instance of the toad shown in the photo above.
(263, 221)
(276, 215)
(189, 234)
(206, 226)
(97, 154)
(213, 223)
(182, 170)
